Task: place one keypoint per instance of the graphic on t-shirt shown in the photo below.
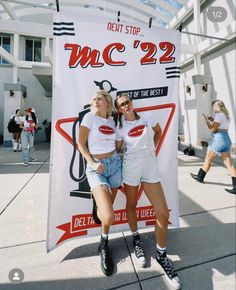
(136, 131)
(106, 130)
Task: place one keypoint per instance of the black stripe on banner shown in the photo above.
(172, 72)
(172, 67)
(63, 23)
(63, 33)
(169, 77)
(64, 28)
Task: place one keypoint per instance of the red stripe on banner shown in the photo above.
(82, 222)
(62, 131)
(67, 235)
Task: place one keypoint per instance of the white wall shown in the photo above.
(219, 64)
(35, 97)
(5, 77)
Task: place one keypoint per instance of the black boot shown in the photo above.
(94, 213)
(200, 176)
(107, 264)
(233, 190)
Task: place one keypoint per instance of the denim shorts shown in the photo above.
(111, 176)
(140, 166)
(220, 143)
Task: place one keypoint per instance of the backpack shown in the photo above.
(189, 151)
(12, 125)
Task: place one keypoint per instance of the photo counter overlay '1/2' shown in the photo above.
(118, 62)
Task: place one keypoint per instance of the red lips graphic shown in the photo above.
(106, 130)
(136, 131)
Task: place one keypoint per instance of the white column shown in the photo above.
(16, 56)
(196, 19)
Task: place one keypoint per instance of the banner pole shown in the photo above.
(57, 4)
(204, 35)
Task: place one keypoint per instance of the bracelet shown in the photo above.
(95, 165)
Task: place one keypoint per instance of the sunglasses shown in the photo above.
(122, 105)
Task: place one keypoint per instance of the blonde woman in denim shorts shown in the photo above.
(97, 137)
(220, 143)
(139, 137)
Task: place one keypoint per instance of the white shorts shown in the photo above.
(140, 167)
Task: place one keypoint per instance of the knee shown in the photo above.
(108, 218)
(131, 205)
(163, 216)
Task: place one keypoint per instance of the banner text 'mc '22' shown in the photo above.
(85, 56)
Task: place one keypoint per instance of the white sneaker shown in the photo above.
(139, 252)
(170, 273)
(25, 164)
(33, 160)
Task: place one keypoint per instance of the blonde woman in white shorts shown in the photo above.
(139, 138)
(97, 137)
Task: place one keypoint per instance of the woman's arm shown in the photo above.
(82, 145)
(21, 125)
(214, 127)
(118, 145)
(157, 135)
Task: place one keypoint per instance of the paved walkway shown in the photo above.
(203, 249)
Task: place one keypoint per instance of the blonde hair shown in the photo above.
(221, 107)
(107, 97)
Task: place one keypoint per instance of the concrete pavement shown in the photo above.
(203, 249)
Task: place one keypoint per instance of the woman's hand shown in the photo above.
(99, 167)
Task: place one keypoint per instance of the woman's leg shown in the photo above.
(113, 194)
(156, 196)
(131, 203)
(25, 150)
(227, 159)
(210, 156)
(104, 203)
(17, 134)
(105, 213)
(31, 146)
(14, 142)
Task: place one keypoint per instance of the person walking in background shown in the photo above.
(28, 125)
(97, 138)
(219, 145)
(15, 129)
(139, 137)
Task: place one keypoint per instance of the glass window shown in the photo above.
(33, 50)
(29, 50)
(5, 42)
(37, 50)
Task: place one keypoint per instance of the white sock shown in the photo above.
(160, 249)
(105, 236)
(135, 233)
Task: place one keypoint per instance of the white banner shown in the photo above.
(97, 53)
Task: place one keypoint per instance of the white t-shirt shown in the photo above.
(102, 135)
(17, 119)
(136, 135)
(222, 119)
(27, 124)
